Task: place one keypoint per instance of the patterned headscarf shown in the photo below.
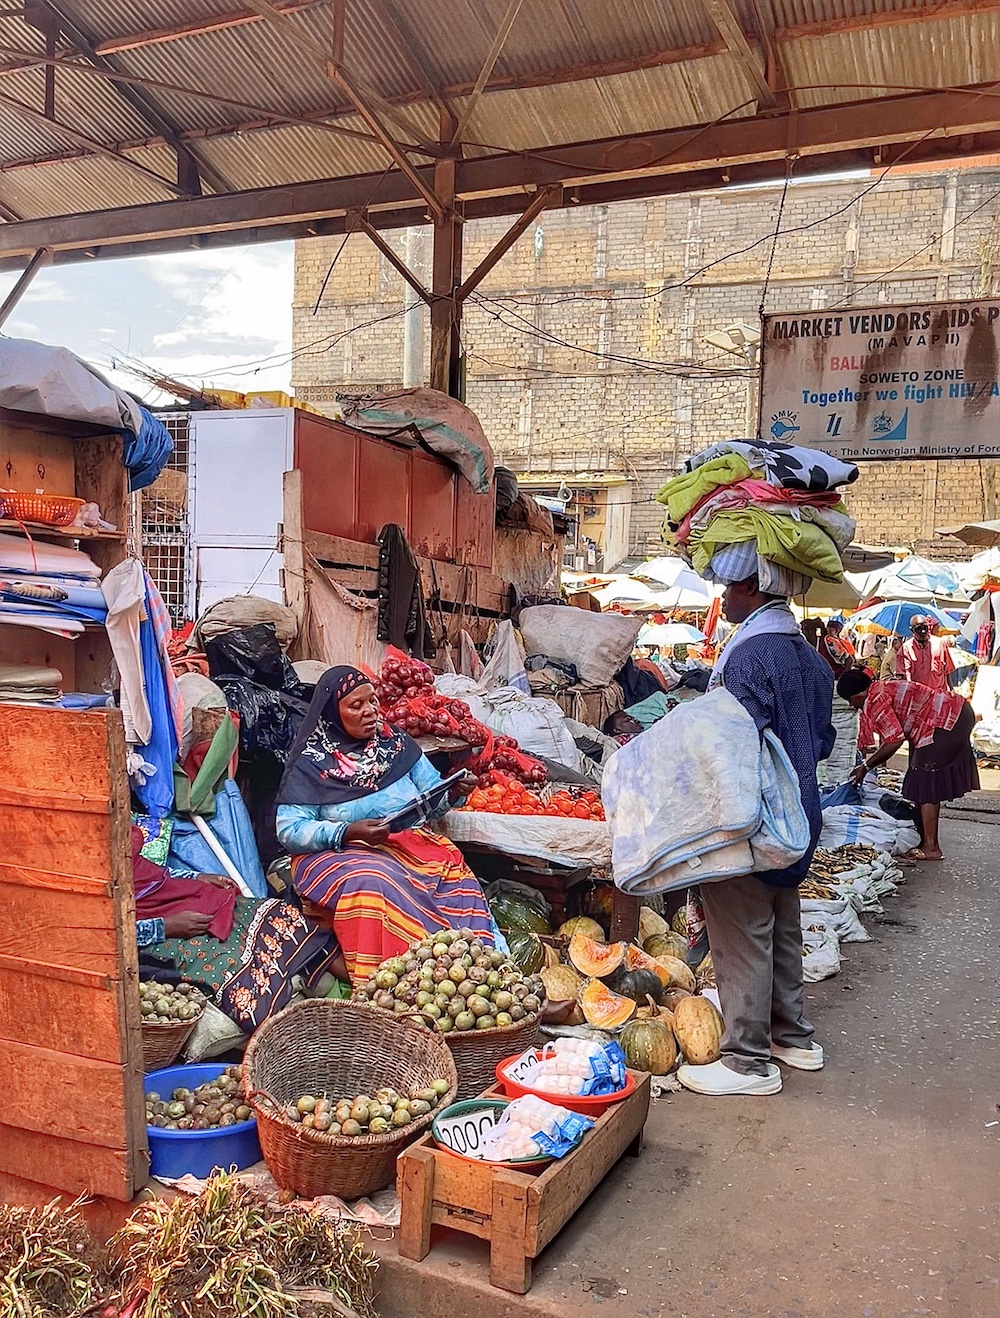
(326, 766)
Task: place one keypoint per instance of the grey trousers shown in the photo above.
(755, 936)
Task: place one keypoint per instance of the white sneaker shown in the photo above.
(717, 1079)
(803, 1059)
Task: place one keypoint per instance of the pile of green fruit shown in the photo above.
(451, 981)
(379, 1114)
(214, 1104)
(162, 1004)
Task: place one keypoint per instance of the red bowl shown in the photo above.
(590, 1105)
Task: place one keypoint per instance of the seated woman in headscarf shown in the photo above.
(243, 951)
(348, 770)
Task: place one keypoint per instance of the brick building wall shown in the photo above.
(585, 347)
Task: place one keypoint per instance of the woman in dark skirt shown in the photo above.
(938, 726)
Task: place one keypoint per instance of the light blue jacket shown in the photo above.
(306, 828)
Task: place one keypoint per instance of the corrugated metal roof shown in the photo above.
(570, 71)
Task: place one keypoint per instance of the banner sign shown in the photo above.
(867, 383)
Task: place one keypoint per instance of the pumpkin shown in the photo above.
(526, 952)
(681, 974)
(650, 924)
(595, 959)
(638, 984)
(603, 1009)
(636, 959)
(698, 1027)
(673, 996)
(651, 1011)
(582, 924)
(679, 924)
(515, 911)
(668, 944)
(562, 983)
(705, 973)
(551, 955)
(576, 1016)
(649, 1046)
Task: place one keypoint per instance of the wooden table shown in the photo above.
(518, 1213)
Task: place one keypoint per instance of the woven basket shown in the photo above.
(162, 1044)
(339, 1049)
(477, 1052)
(46, 509)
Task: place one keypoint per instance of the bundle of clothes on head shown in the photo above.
(744, 508)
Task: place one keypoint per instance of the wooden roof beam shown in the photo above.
(191, 165)
(198, 27)
(727, 21)
(926, 126)
(489, 64)
(543, 198)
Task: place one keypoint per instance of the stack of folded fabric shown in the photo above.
(48, 586)
(30, 684)
(743, 507)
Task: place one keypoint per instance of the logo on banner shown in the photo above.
(885, 432)
(784, 424)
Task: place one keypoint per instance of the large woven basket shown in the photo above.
(339, 1049)
(478, 1052)
(162, 1044)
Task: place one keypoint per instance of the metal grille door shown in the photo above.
(164, 518)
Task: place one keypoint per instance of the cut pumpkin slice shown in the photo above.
(595, 959)
(637, 959)
(603, 1009)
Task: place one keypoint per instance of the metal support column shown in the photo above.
(41, 257)
(446, 280)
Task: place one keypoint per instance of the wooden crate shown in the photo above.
(518, 1213)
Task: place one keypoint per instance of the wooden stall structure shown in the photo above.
(347, 485)
(71, 1112)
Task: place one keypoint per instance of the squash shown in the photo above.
(679, 924)
(562, 983)
(649, 1045)
(582, 924)
(552, 957)
(595, 959)
(705, 974)
(698, 1028)
(650, 924)
(638, 984)
(668, 944)
(680, 973)
(672, 996)
(526, 951)
(603, 1009)
(636, 959)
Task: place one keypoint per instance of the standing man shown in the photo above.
(753, 920)
(925, 658)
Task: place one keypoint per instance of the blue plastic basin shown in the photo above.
(178, 1152)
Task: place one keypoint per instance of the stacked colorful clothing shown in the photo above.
(740, 508)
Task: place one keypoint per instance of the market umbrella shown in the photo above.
(894, 617)
(917, 579)
(830, 595)
(982, 534)
(669, 633)
(673, 573)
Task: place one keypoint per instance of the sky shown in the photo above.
(221, 317)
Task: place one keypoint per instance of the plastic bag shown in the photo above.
(506, 663)
(260, 684)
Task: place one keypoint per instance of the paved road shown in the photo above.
(868, 1190)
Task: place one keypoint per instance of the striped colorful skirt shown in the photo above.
(381, 899)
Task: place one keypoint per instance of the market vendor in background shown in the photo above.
(754, 925)
(244, 951)
(938, 726)
(925, 658)
(834, 648)
(622, 726)
(348, 770)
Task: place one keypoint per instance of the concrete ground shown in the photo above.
(868, 1190)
